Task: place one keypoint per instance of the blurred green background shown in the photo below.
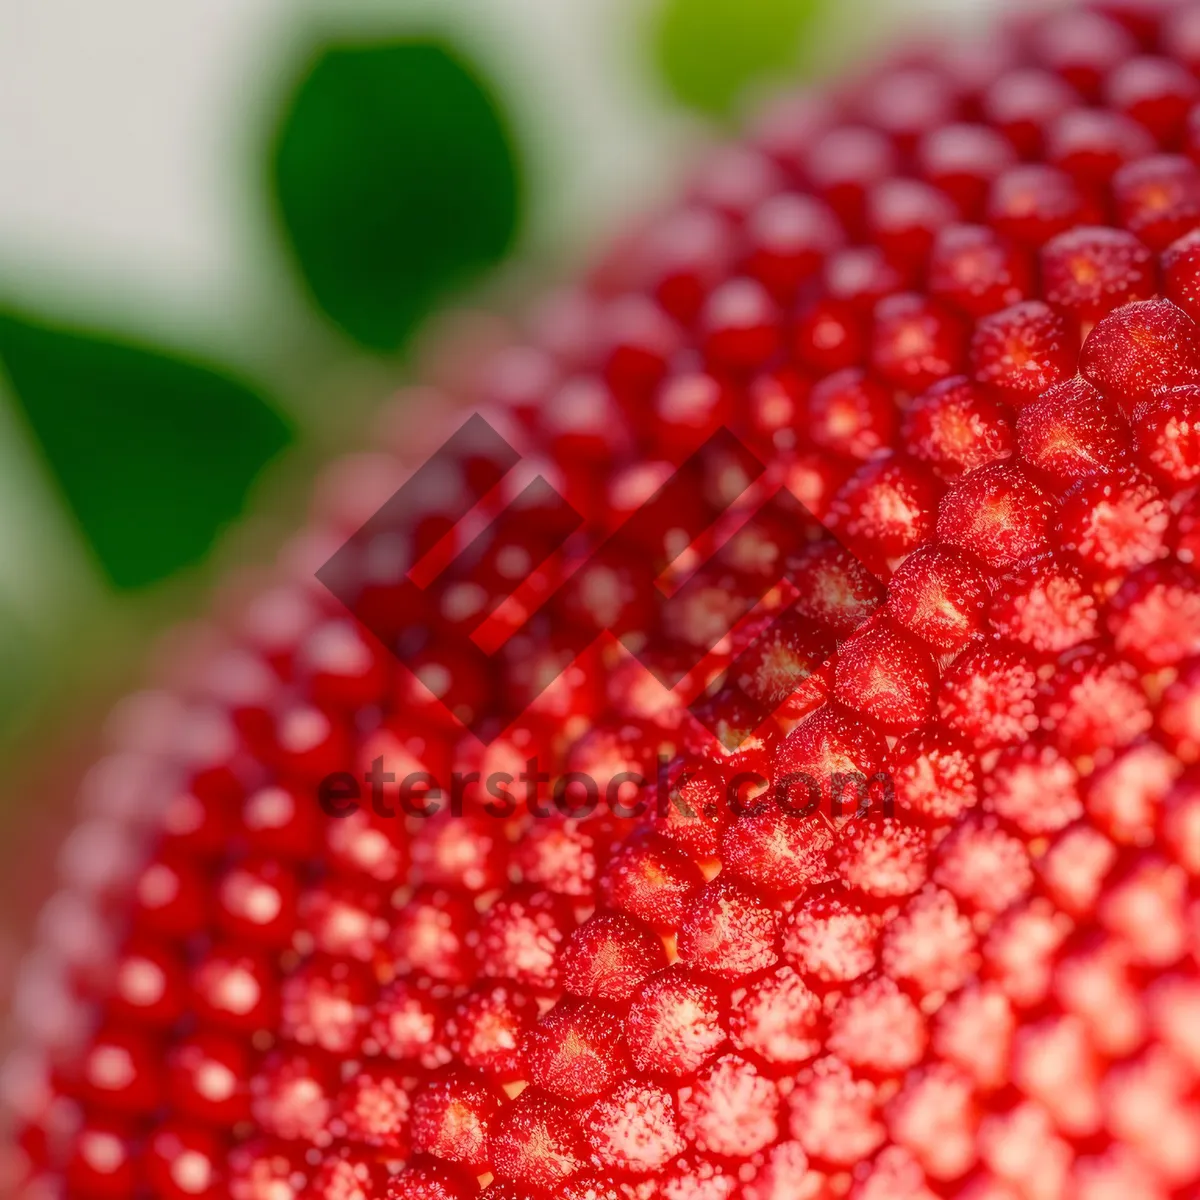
(226, 227)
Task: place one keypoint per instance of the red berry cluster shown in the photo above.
(952, 304)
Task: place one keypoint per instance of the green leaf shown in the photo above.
(154, 454)
(396, 182)
(708, 51)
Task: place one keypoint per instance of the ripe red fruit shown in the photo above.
(728, 931)
(1031, 203)
(575, 1051)
(915, 342)
(1110, 524)
(608, 956)
(450, 1118)
(651, 880)
(1045, 604)
(1157, 198)
(1154, 618)
(884, 511)
(486, 1028)
(634, 1129)
(533, 1142)
(1157, 93)
(962, 160)
(834, 1116)
(996, 513)
(904, 905)
(775, 851)
(882, 857)
(851, 415)
(1021, 351)
(830, 937)
(1180, 263)
(1023, 102)
(1087, 272)
(731, 1110)
(776, 1018)
(1072, 431)
(887, 674)
(988, 695)
(876, 1028)
(939, 594)
(1090, 144)
(674, 1024)
(955, 428)
(933, 775)
(1166, 437)
(1141, 349)
(827, 764)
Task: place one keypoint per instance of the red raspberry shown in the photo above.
(1033, 788)
(1112, 523)
(984, 867)
(731, 1110)
(790, 236)
(1125, 796)
(674, 1024)
(941, 595)
(1140, 349)
(962, 159)
(1083, 47)
(1021, 351)
(1088, 272)
(1071, 431)
(776, 1018)
(1155, 616)
(989, 696)
(533, 1142)
(835, 589)
(996, 513)
(429, 1182)
(903, 905)
(1166, 436)
(886, 674)
(575, 1051)
(828, 763)
(728, 931)
(955, 428)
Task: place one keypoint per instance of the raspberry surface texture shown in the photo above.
(900, 901)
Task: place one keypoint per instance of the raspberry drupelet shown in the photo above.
(911, 913)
